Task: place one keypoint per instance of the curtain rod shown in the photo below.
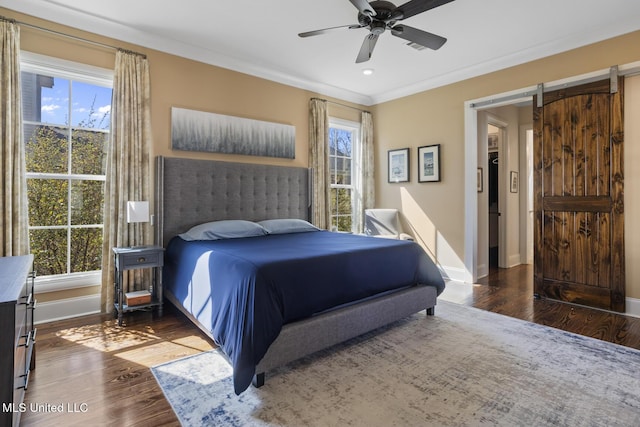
(343, 105)
(58, 33)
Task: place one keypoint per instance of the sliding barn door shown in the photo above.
(578, 196)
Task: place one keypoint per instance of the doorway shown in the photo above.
(498, 203)
(493, 169)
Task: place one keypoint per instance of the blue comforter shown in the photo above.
(244, 290)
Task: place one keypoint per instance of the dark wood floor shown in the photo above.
(510, 292)
(100, 374)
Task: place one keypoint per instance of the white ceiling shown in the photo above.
(260, 37)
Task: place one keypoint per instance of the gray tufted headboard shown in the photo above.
(190, 192)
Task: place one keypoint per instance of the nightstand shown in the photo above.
(146, 295)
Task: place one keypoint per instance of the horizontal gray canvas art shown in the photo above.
(216, 133)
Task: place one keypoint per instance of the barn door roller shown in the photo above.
(613, 77)
(540, 94)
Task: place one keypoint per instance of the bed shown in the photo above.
(285, 289)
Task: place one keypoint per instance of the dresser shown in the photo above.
(17, 339)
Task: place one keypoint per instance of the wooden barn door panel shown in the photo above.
(578, 196)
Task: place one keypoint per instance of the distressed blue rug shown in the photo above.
(461, 367)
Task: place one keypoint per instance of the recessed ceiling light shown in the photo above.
(367, 71)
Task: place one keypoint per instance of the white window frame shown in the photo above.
(41, 64)
(356, 185)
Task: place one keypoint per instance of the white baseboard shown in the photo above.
(454, 273)
(514, 260)
(66, 308)
(632, 306)
(483, 270)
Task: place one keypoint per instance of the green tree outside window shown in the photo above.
(65, 159)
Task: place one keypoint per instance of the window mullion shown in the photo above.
(70, 181)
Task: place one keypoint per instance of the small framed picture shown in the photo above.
(493, 142)
(480, 180)
(429, 163)
(513, 179)
(399, 165)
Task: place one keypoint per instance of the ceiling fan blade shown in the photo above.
(364, 7)
(423, 38)
(326, 30)
(415, 7)
(367, 48)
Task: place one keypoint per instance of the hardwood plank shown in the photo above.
(558, 141)
(601, 86)
(617, 195)
(582, 204)
(602, 134)
(550, 245)
(604, 251)
(568, 247)
(583, 246)
(573, 127)
(593, 296)
(580, 137)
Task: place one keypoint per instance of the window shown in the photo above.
(343, 139)
(66, 118)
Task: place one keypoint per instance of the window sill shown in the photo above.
(65, 282)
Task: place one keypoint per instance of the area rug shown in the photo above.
(461, 367)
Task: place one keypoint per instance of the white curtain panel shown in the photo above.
(128, 165)
(14, 221)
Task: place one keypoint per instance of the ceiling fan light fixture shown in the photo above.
(377, 27)
(416, 46)
(367, 71)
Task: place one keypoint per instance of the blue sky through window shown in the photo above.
(81, 97)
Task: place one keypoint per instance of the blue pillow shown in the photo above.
(226, 229)
(282, 226)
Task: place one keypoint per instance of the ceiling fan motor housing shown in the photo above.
(384, 9)
(383, 18)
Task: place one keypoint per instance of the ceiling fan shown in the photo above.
(379, 16)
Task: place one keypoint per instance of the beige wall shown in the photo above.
(436, 210)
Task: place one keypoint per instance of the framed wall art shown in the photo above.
(193, 130)
(429, 163)
(398, 165)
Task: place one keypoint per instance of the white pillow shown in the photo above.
(290, 225)
(226, 229)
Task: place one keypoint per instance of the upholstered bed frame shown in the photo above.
(190, 192)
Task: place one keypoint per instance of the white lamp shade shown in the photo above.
(137, 211)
